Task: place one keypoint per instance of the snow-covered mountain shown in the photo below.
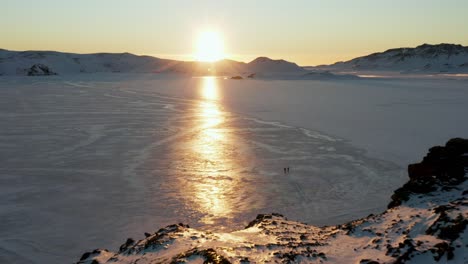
(20, 63)
(425, 223)
(424, 58)
(264, 64)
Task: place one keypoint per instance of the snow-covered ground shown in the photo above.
(91, 159)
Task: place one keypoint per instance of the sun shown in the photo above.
(209, 47)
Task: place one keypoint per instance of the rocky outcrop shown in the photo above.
(40, 70)
(443, 167)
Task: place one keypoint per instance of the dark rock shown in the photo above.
(130, 242)
(236, 78)
(40, 70)
(245, 260)
(443, 165)
(261, 217)
(86, 256)
(210, 255)
(368, 261)
(409, 247)
(251, 76)
(445, 227)
(441, 249)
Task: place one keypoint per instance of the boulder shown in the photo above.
(39, 70)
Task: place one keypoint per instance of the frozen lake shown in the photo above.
(89, 160)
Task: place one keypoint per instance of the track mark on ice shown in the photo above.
(95, 132)
(79, 84)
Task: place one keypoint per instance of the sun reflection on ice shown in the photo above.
(210, 113)
(213, 188)
(209, 88)
(211, 160)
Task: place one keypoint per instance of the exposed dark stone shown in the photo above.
(441, 166)
(210, 255)
(262, 217)
(237, 78)
(445, 227)
(85, 256)
(88, 255)
(441, 249)
(368, 261)
(130, 242)
(39, 70)
(245, 260)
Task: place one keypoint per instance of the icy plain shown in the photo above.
(88, 160)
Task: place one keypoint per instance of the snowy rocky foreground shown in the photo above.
(425, 223)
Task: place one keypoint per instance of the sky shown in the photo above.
(307, 32)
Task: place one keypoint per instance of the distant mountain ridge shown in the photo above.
(264, 64)
(424, 58)
(21, 63)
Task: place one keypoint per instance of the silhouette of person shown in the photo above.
(288, 170)
(284, 170)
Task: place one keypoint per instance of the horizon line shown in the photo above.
(156, 56)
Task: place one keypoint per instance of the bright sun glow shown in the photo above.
(210, 47)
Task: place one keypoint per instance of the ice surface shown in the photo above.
(98, 158)
(394, 119)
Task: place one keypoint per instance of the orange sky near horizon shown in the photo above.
(305, 32)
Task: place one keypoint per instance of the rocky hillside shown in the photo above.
(424, 58)
(425, 223)
(20, 63)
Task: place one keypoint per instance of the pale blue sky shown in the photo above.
(307, 32)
